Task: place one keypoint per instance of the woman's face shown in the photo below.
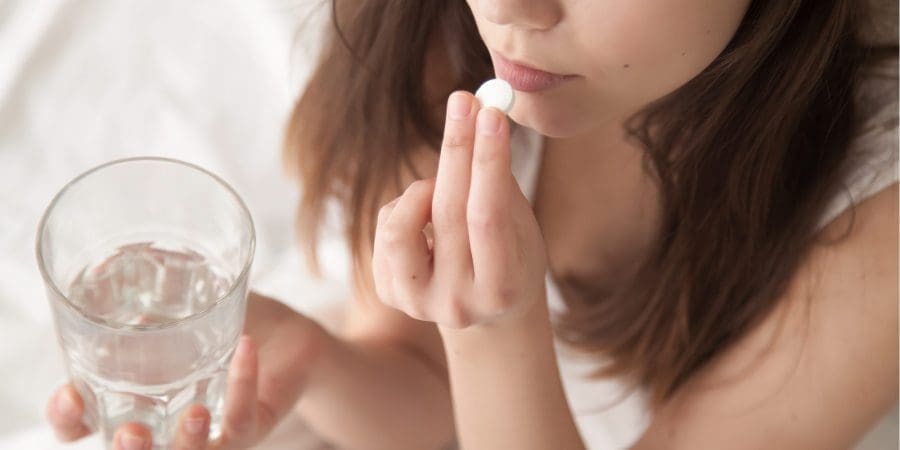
(606, 58)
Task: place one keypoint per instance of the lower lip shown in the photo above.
(527, 79)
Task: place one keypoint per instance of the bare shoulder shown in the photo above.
(820, 370)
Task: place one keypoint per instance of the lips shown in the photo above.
(527, 79)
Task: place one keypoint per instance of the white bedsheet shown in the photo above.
(83, 82)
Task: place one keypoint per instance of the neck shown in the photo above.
(599, 151)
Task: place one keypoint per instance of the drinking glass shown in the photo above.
(145, 262)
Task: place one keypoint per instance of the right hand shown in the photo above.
(265, 379)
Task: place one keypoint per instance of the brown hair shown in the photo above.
(747, 155)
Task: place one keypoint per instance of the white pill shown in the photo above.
(496, 93)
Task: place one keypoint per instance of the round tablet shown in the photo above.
(496, 93)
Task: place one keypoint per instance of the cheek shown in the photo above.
(648, 48)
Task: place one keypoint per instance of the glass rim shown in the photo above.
(48, 280)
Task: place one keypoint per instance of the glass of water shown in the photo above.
(145, 262)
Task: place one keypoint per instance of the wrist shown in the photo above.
(323, 346)
(522, 323)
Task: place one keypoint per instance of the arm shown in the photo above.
(821, 370)
(382, 385)
(506, 387)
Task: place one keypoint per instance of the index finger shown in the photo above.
(452, 185)
(239, 420)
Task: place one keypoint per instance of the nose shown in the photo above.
(532, 14)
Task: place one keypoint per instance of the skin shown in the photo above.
(265, 378)
(452, 312)
(640, 52)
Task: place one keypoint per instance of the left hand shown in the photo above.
(266, 377)
(487, 260)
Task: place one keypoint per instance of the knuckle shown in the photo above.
(500, 300)
(239, 420)
(455, 140)
(486, 156)
(495, 309)
(485, 221)
(505, 295)
(421, 185)
(392, 238)
(457, 317)
(385, 211)
(400, 299)
(414, 311)
(445, 213)
(454, 301)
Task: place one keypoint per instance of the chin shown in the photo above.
(547, 117)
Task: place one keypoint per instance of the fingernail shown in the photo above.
(459, 105)
(194, 425)
(66, 406)
(488, 121)
(131, 442)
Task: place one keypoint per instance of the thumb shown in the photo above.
(64, 411)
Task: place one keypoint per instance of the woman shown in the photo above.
(686, 240)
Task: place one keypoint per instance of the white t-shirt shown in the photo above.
(608, 415)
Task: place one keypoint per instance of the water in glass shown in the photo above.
(153, 372)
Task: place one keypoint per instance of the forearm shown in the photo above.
(506, 387)
(377, 395)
